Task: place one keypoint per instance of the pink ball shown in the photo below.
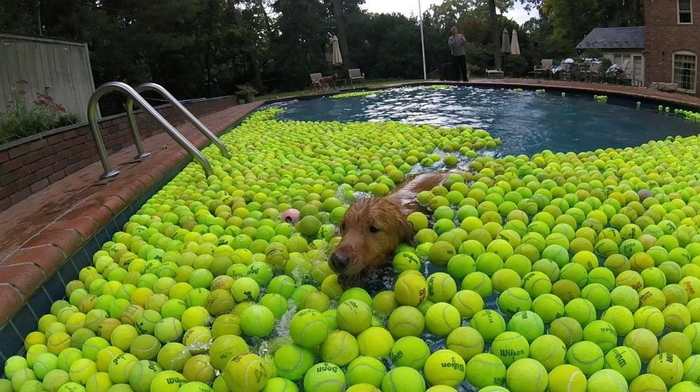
(291, 215)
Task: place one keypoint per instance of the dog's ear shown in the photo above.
(406, 232)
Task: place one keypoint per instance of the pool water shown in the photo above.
(527, 122)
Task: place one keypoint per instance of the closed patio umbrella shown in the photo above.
(337, 57)
(514, 44)
(505, 42)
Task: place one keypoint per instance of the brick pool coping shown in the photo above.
(41, 232)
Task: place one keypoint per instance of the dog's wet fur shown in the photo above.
(373, 228)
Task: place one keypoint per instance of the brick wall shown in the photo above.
(31, 164)
(664, 36)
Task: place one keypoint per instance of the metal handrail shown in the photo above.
(194, 120)
(169, 129)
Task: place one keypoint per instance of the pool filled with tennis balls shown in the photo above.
(556, 271)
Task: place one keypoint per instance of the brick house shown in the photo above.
(672, 43)
(623, 46)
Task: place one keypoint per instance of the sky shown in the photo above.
(408, 7)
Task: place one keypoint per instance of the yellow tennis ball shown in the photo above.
(57, 342)
(442, 318)
(409, 351)
(484, 370)
(625, 361)
(105, 356)
(199, 368)
(528, 324)
(537, 283)
(410, 289)
(145, 347)
(81, 370)
(581, 310)
(548, 306)
(293, 361)
(54, 379)
(195, 316)
(168, 381)
(142, 374)
(325, 377)
(676, 316)
(218, 302)
(226, 324)
(566, 290)
(441, 287)
(405, 321)
(676, 343)
(258, 321)
(650, 318)
(514, 300)
(120, 367)
(308, 328)
(467, 302)
(647, 383)
(375, 342)
(644, 342)
(668, 367)
(586, 356)
(365, 369)
(444, 367)
(465, 341)
(44, 363)
(526, 375)
(246, 372)
(601, 333)
(354, 316)
(173, 356)
(607, 380)
(169, 329)
(403, 379)
(567, 378)
(339, 348)
(548, 350)
(509, 347)
(620, 318)
(69, 387)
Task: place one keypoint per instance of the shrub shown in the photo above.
(20, 120)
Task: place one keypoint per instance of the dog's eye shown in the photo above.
(343, 227)
(373, 229)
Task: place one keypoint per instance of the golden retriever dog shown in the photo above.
(328, 82)
(373, 228)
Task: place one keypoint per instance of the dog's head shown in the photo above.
(371, 230)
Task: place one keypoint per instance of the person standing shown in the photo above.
(459, 60)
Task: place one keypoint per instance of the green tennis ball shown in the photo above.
(169, 329)
(354, 316)
(325, 377)
(339, 348)
(548, 306)
(444, 367)
(384, 302)
(279, 384)
(21, 376)
(441, 287)
(676, 316)
(404, 321)
(575, 273)
(607, 380)
(442, 318)
(404, 261)
(509, 347)
(528, 324)
(365, 369)
(514, 300)
(461, 265)
(644, 342)
(668, 367)
(246, 372)
(674, 293)
(581, 310)
(409, 351)
(650, 318)
(375, 342)
(620, 318)
(478, 282)
(647, 382)
(630, 278)
(489, 263)
(69, 387)
(199, 368)
(526, 375)
(168, 381)
(43, 364)
(625, 296)
(597, 294)
(410, 289)
(484, 370)
(548, 350)
(103, 360)
(308, 328)
(567, 378)
(142, 374)
(14, 363)
(467, 302)
(537, 283)
(195, 316)
(120, 367)
(145, 347)
(258, 321)
(651, 296)
(403, 379)
(292, 361)
(81, 370)
(676, 343)
(566, 290)
(218, 302)
(173, 356)
(441, 252)
(601, 333)
(465, 341)
(586, 356)
(488, 323)
(625, 361)
(224, 348)
(54, 379)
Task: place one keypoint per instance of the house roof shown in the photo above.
(614, 38)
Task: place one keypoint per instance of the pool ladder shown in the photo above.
(133, 95)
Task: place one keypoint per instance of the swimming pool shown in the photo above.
(526, 121)
(597, 220)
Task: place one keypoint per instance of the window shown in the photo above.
(685, 14)
(684, 71)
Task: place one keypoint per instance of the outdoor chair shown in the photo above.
(494, 73)
(354, 74)
(316, 81)
(565, 70)
(593, 72)
(545, 68)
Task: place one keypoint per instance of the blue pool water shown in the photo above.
(527, 122)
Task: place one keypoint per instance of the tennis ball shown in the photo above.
(145, 346)
(120, 367)
(308, 328)
(465, 341)
(548, 307)
(13, 364)
(384, 302)
(607, 380)
(218, 302)
(363, 387)
(104, 358)
(581, 310)
(537, 283)
(691, 368)
(467, 302)
(488, 323)
(375, 342)
(441, 287)
(57, 342)
(441, 252)
(195, 316)
(668, 367)
(359, 294)
(199, 368)
(548, 350)
(224, 348)
(586, 356)
(410, 289)
(676, 343)
(409, 351)
(258, 321)
(405, 321)
(69, 387)
(691, 284)
(526, 375)
(81, 370)
(647, 383)
(444, 367)
(442, 318)
(461, 265)
(246, 372)
(625, 361)
(567, 378)
(566, 290)
(651, 296)
(325, 377)
(625, 296)
(169, 329)
(173, 356)
(509, 347)
(168, 381)
(514, 300)
(142, 374)
(339, 348)
(54, 379)
(367, 370)
(403, 379)
(644, 342)
(226, 324)
(354, 316)
(406, 260)
(484, 370)
(597, 294)
(620, 318)
(292, 361)
(617, 263)
(676, 316)
(43, 364)
(601, 333)
(674, 293)
(650, 318)
(528, 324)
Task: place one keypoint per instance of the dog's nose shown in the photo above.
(339, 261)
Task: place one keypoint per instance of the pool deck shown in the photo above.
(38, 234)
